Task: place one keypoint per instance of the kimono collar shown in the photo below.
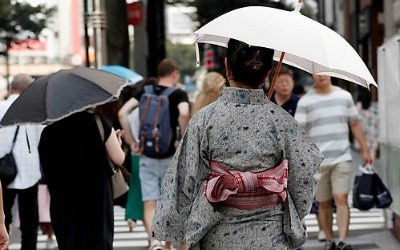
(243, 96)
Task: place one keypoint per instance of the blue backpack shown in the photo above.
(155, 133)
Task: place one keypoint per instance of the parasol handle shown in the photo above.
(278, 68)
(297, 7)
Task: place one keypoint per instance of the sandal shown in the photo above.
(131, 225)
(156, 245)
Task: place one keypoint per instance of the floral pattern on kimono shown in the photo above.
(246, 132)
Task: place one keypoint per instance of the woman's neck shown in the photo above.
(235, 84)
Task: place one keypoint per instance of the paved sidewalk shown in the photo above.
(378, 239)
(365, 239)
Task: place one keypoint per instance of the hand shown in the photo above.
(135, 149)
(4, 237)
(367, 159)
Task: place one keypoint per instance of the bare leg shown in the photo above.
(168, 245)
(342, 215)
(149, 209)
(325, 218)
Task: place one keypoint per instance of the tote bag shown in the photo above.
(363, 189)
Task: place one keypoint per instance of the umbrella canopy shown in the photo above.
(123, 72)
(305, 43)
(53, 97)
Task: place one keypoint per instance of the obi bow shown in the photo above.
(226, 185)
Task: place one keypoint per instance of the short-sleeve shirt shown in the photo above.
(174, 99)
(326, 117)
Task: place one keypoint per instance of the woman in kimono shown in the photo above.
(245, 173)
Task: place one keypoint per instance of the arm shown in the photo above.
(4, 237)
(184, 116)
(114, 150)
(358, 133)
(123, 120)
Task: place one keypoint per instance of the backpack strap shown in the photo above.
(15, 137)
(143, 117)
(169, 91)
(149, 89)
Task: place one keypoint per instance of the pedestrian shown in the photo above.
(78, 175)
(369, 116)
(327, 112)
(216, 193)
(25, 185)
(211, 87)
(4, 237)
(283, 94)
(153, 169)
(134, 209)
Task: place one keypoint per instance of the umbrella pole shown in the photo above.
(278, 68)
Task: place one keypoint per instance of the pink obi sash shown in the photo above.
(247, 190)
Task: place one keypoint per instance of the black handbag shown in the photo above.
(8, 167)
(363, 189)
(370, 191)
(383, 198)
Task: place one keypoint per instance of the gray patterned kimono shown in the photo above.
(246, 132)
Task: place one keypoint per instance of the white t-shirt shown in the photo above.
(326, 117)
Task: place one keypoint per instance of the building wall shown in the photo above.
(389, 101)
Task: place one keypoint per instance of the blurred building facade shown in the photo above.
(59, 46)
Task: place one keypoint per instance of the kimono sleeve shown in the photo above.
(304, 165)
(181, 184)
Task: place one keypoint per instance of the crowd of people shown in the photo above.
(240, 171)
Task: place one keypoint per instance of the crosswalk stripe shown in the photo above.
(123, 238)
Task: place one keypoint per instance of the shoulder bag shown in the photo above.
(120, 176)
(8, 167)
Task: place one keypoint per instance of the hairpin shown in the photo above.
(255, 63)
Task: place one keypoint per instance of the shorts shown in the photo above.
(151, 173)
(335, 179)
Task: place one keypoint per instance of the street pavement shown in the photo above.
(368, 229)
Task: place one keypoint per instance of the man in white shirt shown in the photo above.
(25, 184)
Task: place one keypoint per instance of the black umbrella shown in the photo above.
(53, 97)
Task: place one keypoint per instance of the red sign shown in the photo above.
(30, 44)
(135, 13)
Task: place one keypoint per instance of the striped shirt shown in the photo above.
(326, 117)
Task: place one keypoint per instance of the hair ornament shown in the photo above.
(255, 63)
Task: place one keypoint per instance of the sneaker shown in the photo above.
(330, 245)
(321, 236)
(344, 246)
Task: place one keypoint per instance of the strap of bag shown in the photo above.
(169, 91)
(149, 89)
(101, 130)
(15, 138)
